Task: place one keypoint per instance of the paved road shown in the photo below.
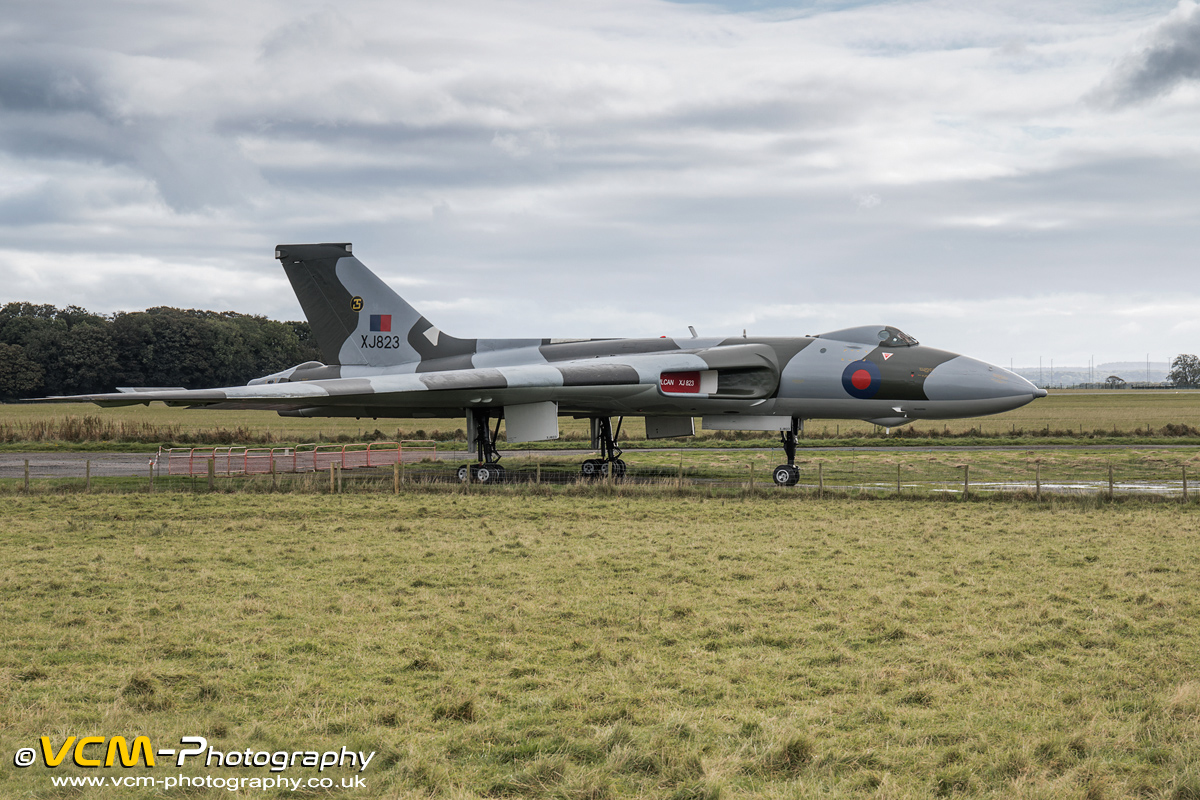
(74, 465)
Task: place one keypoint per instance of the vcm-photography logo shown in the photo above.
(99, 751)
(89, 751)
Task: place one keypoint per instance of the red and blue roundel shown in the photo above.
(861, 379)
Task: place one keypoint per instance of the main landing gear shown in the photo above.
(484, 437)
(605, 440)
(789, 474)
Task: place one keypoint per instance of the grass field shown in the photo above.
(514, 645)
(1064, 415)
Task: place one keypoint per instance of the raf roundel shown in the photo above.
(861, 379)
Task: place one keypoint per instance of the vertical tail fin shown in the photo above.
(356, 318)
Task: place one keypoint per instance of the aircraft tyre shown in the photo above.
(464, 473)
(488, 473)
(787, 475)
(599, 468)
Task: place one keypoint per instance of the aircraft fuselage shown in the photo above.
(807, 377)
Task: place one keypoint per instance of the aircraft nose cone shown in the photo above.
(964, 378)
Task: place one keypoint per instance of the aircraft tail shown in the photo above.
(356, 318)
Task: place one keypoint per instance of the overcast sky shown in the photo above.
(1004, 179)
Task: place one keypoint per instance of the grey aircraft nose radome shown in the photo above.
(383, 359)
(968, 380)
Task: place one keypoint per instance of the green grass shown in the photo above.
(1116, 417)
(519, 645)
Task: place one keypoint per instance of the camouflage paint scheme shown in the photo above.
(384, 359)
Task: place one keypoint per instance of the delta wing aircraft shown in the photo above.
(382, 358)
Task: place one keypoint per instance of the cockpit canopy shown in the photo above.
(875, 335)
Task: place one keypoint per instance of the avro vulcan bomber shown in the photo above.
(382, 358)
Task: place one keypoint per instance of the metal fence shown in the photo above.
(400, 466)
(236, 460)
(879, 480)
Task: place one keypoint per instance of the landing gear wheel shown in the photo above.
(786, 475)
(605, 439)
(485, 470)
(488, 473)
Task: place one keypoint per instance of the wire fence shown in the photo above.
(241, 460)
(835, 478)
(389, 470)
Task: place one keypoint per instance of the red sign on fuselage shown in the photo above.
(680, 382)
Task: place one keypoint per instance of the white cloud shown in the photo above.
(625, 163)
(867, 201)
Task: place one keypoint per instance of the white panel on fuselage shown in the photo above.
(531, 422)
(668, 427)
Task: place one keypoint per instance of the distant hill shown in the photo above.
(1068, 375)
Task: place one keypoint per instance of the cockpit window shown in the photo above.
(894, 337)
(880, 335)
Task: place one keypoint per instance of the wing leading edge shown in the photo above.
(740, 372)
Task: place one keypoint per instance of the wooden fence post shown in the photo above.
(396, 477)
(87, 476)
(1185, 499)
(966, 481)
(1038, 493)
(1110, 482)
(332, 482)
(538, 477)
(820, 479)
(27, 476)
(151, 477)
(897, 480)
(212, 472)
(680, 469)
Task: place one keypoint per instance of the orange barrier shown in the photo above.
(413, 450)
(194, 460)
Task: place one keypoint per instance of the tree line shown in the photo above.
(46, 350)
